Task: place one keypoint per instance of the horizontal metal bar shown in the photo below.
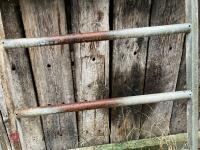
(97, 36)
(176, 141)
(104, 103)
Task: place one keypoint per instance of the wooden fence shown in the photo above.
(89, 71)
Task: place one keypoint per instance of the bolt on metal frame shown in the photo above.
(190, 28)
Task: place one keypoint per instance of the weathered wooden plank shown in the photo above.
(163, 63)
(3, 105)
(51, 69)
(32, 134)
(92, 69)
(128, 67)
(179, 119)
(177, 141)
(7, 85)
(178, 122)
(4, 140)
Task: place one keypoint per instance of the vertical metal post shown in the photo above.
(189, 73)
(192, 73)
(195, 82)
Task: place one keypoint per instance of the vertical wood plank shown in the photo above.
(3, 105)
(178, 122)
(179, 119)
(128, 67)
(7, 85)
(52, 69)
(92, 69)
(164, 57)
(24, 95)
(4, 141)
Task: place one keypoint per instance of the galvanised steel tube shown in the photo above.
(105, 103)
(97, 36)
(192, 51)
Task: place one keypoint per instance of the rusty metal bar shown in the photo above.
(97, 36)
(192, 44)
(104, 103)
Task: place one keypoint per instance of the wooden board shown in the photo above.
(3, 105)
(128, 67)
(179, 118)
(164, 57)
(51, 69)
(4, 140)
(178, 123)
(92, 69)
(32, 134)
(8, 92)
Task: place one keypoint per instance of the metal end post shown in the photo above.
(192, 73)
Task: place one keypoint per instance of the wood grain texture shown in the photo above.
(178, 123)
(92, 69)
(24, 95)
(51, 69)
(8, 90)
(164, 57)
(4, 140)
(178, 118)
(128, 67)
(4, 115)
(3, 105)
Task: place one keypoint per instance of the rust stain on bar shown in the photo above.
(104, 103)
(81, 37)
(97, 36)
(85, 105)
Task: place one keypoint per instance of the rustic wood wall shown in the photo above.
(90, 71)
(163, 62)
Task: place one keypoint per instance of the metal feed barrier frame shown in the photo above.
(190, 28)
